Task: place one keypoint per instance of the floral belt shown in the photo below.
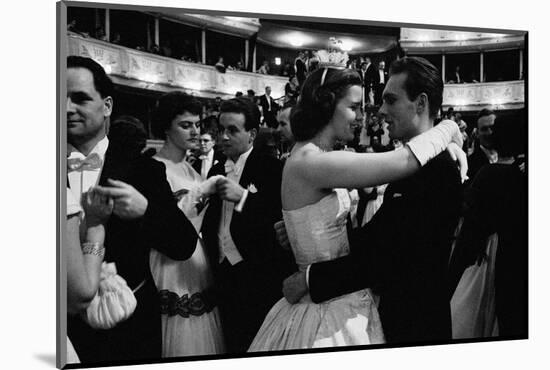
(172, 304)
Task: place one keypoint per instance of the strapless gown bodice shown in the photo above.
(317, 232)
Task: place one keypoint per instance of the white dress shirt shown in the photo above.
(228, 249)
(206, 163)
(381, 73)
(81, 180)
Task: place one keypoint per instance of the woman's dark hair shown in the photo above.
(509, 136)
(317, 103)
(171, 105)
(127, 137)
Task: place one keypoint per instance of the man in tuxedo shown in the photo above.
(269, 108)
(208, 155)
(145, 216)
(484, 152)
(368, 75)
(402, 253)
(380, 79)
(248, 264)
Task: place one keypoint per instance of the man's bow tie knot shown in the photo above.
(91, 162)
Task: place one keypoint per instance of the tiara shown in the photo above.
(333, 57)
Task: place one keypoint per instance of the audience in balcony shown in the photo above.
(264, 69)
(155, 49)
(100, 34)
(220, 66)
(287, 70)
(166, 48)
(239, 66)
(116, 38)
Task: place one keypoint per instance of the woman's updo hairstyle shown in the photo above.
(317, 102)
(168, 107)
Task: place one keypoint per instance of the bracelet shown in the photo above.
(93, 248)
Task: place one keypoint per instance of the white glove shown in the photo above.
(432, 142)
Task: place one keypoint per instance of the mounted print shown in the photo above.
(240, 185)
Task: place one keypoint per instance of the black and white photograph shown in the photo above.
(285, 188)
(241, 185)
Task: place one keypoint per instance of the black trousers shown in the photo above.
(246, 294)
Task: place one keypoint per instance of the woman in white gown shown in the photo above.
(190, 323)
(316, 204)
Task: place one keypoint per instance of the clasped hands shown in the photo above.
(227, 189)
(127, 202)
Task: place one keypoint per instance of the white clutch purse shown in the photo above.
(114, 301)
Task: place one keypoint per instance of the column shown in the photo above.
(157, 31)
(521, 64)
(246, 46)
(481, 71)
(443, 67)
(108, 24)
(254, 58)
(203, 46)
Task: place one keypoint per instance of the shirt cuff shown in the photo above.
(307, 276)
(240, 205)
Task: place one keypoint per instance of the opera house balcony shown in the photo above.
(142, 70)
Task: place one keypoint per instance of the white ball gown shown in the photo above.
(187, 328)
(317, 232)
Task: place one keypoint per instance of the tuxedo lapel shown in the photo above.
(248, 170)
(115, 169)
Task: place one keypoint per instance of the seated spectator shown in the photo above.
(166, 49)
(264, 69)
(116, 38)
(155, 49)
(287, 70)
(220, 66)
(100, 34)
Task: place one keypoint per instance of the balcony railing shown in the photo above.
(496, 95)
(149, 71)
(153, 72)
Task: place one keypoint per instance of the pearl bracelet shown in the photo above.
(93, 248)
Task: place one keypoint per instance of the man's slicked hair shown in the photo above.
(102, 82)
(246, 107)
(422, 77)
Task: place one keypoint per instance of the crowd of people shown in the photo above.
(301, 223)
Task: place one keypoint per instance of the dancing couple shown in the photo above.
(401, 255)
